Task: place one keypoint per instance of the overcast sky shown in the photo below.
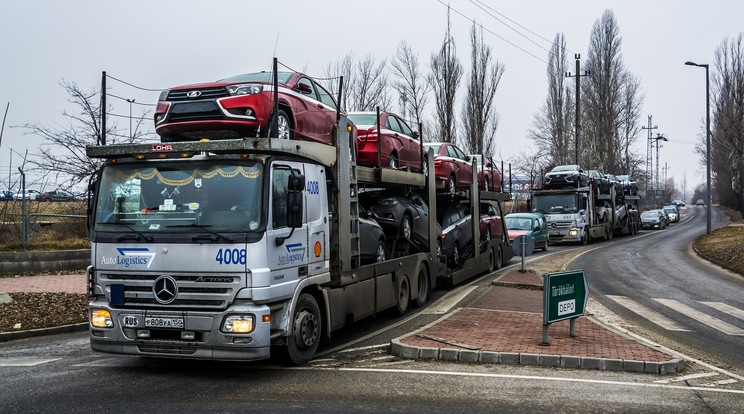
(159, 44)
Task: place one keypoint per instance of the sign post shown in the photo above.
(564, 297)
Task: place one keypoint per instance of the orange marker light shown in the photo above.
(318, 249)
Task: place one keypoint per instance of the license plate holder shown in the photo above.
(164, 322)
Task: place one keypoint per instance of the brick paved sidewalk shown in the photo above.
(52, 283)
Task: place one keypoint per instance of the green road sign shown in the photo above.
(564, 295)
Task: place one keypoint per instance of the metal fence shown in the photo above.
(41, 223)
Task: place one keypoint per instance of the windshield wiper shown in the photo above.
(216, 236)
(123, 237)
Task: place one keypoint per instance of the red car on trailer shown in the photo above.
(452, 165)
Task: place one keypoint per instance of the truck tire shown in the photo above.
(584, 237)
(423, 287)
(491, 260)
(306, 331)
(404, 294)
(499, 259)
(610, 234)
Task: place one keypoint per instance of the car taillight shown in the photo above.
(437, 163)
(444, 237)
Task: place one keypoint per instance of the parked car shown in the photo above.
(405, 217)
(489, 176)
(531, 224)
(457, 233)
(6, 195)
(399, 145)
(565, 176)
(629, 185)
(372, 239)
(451, 164)
(56, 195)
(490, 223)
(653, 219)
(243, 105)
(599, 181)
(28, 195)
(672, 212)
(700, 202)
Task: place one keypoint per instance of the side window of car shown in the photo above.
(461, 155)
(405, 129)
(392, 123)
(451, 151)
(310, 84)
(326, 97)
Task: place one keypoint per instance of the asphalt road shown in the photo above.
(656, 281)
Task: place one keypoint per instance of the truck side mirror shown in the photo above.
(295, 186)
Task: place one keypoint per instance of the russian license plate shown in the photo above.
(153, 322)
(555, 233)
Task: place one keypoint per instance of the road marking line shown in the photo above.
(525, 377)
(726, 309)
(701, 317)
(25, 361)
(721, 382)
(687, 377)
(444, 306)
(648, 314)
(364, 348)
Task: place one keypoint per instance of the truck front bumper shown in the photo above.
(196, 334)
(565, 235)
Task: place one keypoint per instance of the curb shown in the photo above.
(401, 350)
(9, 336)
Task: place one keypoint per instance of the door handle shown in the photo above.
(320, 106)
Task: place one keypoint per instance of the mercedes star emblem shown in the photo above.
(165, 289)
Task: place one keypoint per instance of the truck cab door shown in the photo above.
(286, 245)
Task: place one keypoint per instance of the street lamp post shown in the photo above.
(707, 140)
(131, 101)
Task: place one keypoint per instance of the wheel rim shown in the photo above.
(380, 257)
(456, 255)
(392, 162)
(283, 127)
(403, 294)
(306, 329)
(488, 234)
(425, 167)
(452, 185)
(406, 228)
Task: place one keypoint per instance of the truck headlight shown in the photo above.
(238, 324)
(573, 233)
(101, 318)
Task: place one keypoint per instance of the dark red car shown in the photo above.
(452, 165)
(490, 223)
(243, 105)
(399, 146)
(489, 176)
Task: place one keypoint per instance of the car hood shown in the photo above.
(513, 234)
(214, 85)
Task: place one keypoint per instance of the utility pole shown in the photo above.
(578, 105)
(103, 109)
(3, 127)
(659, 137)
(649, 155)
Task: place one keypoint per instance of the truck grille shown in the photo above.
(205, 93)
(193, 293)
(560, 224)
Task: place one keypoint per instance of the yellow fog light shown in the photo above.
(101, 318)
(238, 324)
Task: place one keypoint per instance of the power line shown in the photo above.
(493, 33)
(134, 86)
(127, 116)
(128, 100)
(476, 3)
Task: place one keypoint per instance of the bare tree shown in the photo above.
(445, 76)
(365, 82)
(342, 67)
(411, 84)
(630, 127)
(727, 123)
(602, 99)
(478, 113)
(62, 154)
(552, 128)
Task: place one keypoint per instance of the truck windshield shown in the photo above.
(176, 197)
(556, 203)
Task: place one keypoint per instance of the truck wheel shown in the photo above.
(584, 237)
(491, 260)
(306, 331)
(499, 259)
(404, 294)
(423, 287)
(610, 233)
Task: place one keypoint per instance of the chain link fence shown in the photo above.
(54, 224)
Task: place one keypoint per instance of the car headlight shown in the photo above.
(164, 95)
(389, 202)
(244, 89)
